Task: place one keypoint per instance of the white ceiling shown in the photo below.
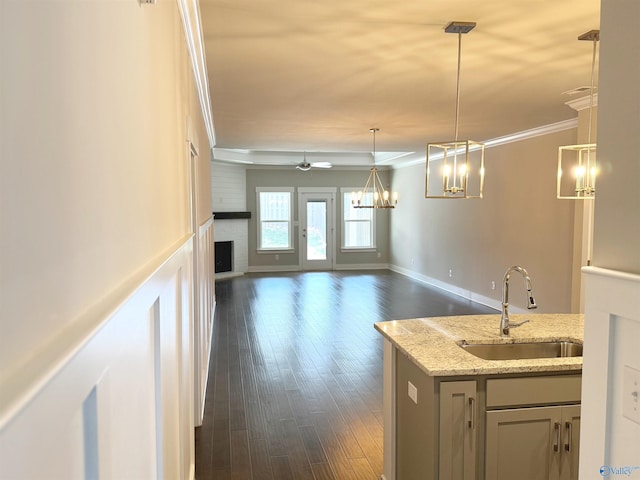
(289, 76)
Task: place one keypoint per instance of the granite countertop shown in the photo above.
(432, 343)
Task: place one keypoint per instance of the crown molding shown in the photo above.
(582, 102)
(258, 159)
(532, 133)
(418, 158)
(190, 13)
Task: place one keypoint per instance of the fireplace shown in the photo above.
(223, 256)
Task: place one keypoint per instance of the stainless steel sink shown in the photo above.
(517, 351)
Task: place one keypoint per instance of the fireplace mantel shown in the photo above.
(231, 215)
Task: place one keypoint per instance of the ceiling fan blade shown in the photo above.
(304, 166)
(321, 165)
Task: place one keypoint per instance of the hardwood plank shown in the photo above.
(240, 461)
(363, 469)
(221, 474)
(275, 438)
(237, 420)
(322, 471)
(298, 460)
(312, 444)
(281, 468)
(333, 448)
(221, 451)
(295, 374)
(299, 407)
(260, 460)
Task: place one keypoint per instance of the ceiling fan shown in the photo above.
(306, 166)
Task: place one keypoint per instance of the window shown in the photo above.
(358, 224)
(275, 225)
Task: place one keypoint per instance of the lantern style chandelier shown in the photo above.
(455, 169)
(577, 167)
(374, 194)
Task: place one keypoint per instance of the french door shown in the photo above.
(316, 213)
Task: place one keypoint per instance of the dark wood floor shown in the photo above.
(295, 379)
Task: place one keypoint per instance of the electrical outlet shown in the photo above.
(450, 273)
(631, 394)
(413, 392)
(379, 255)
(277, 257)
(493, 285)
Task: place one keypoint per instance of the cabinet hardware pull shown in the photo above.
(569, 427)
(472, 412)
(556, 446)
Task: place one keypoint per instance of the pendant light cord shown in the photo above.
(593, 70)
(458, 85)
(374, 130)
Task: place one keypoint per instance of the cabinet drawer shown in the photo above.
(508, 392)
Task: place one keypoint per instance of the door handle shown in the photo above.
(556, 446)
(569, 427)
(472, 413)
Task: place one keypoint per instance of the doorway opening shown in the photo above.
(316, 211)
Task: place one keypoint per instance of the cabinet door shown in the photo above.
(457, 428)
(524, 443)
(570, 442)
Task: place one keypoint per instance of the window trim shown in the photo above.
(290, 248)
(373, 247)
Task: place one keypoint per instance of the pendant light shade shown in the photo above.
(577, 168)
(374, 195)
(455, 169)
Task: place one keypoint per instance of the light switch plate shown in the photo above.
(413, 393)
(631, 394)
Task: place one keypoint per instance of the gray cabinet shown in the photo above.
(436, 426)
(571, 443)
(485, 427)
(415, 422)
(458, 420)
(533, 443)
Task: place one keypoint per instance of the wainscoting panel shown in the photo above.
(608, 436)
(206, 305)
(121, 407)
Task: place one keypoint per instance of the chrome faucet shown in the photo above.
(531, 302)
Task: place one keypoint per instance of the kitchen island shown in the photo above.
(448, 414)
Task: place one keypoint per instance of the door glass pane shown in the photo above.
(316, 230)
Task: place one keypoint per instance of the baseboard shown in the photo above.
(297, 268)
(223, 275)
(274, 268)
(461, 292)
(361, 266)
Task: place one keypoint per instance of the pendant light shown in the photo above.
(577, 167)
(373, 195)
(455, 169)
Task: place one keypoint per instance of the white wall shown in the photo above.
(228, 187)
(617, 221)
(612, 312)
(228, 194)
(94, 196)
